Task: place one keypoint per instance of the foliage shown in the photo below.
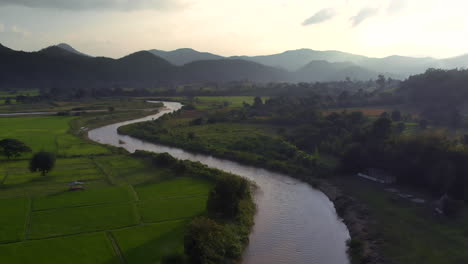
(10, 147)
(43, 162)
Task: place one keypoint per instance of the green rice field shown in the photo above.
(129, 212)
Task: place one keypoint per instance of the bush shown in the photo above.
(203, 243)
(226, 196)
(355, 250)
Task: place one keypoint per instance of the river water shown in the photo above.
(294, 224)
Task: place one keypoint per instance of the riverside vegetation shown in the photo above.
(140, 208)
(295, 135)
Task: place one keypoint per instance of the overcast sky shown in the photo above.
(115, 28)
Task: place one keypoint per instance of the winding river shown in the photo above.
(294, 224)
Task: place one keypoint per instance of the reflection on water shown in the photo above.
(294, 223)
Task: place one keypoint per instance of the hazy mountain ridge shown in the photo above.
(184, 56)
(56, 66)
(71, 49)
(295, 60)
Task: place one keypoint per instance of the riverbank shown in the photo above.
(314, 236)
(354, 214)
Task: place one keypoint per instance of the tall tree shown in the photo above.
(43, 162)
(10, 147)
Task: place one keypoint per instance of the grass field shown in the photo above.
(89, 248)
(411, 232)
(48, 133)
(75, 220)
(149, 243)
(207, 102)
(13, 221)
(113, 218)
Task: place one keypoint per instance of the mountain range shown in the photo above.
(63, 66)
(294, 60)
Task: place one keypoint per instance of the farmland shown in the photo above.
(129, 211)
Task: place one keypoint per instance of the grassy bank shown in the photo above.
(385, 229)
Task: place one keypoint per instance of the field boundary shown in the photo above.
(109, 177)
(27, 221)
(116, 247)
(100, 231)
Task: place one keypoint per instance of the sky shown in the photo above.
(115, 28)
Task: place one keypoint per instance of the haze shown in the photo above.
(244, 27)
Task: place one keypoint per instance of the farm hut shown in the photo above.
(76, 186)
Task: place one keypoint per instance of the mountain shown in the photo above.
(399, 66)
(71, 49)
(324, 71)
(455, 62)
(181, 57)
(55, 67)
(293, 60)
(232, 70)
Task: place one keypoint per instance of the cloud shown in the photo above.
(396, 6)
(20, 31)
(121, 5)
(362, 15)
(320, 17)
(2, 28)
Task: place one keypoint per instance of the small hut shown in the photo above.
(76, 186)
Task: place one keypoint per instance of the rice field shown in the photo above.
(129, 210)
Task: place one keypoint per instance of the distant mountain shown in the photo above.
(293, 60)
(455, 62)
(55, 67)
(232, 70)
(324, 71)
(181, 57)
(399, 66)
(70, 49)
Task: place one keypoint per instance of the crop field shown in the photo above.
(171, 209)
(89, 248)
(148, 243)
(13, 220)
(47, 133)
(204, 102)
(75, 220)
(129, 209)
(173, 189)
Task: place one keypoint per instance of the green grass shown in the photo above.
(42, 222)
(174, 188)
(67, 221)
(14, 214)
(47, 133)
(149, 243)
(207, 102)
(15, 93)
(127, 170)
(117, 194)
(83, 249)
(66, 170)
(172, 209)
(412, 233)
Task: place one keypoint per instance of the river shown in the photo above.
(294, 224)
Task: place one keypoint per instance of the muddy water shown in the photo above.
(294, 224)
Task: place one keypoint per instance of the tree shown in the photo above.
(381, 81)
(382, 128)
(13, 148)
(202, 242)
(396, 115)
(111, 109)
(43, 162)
(257, 102)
